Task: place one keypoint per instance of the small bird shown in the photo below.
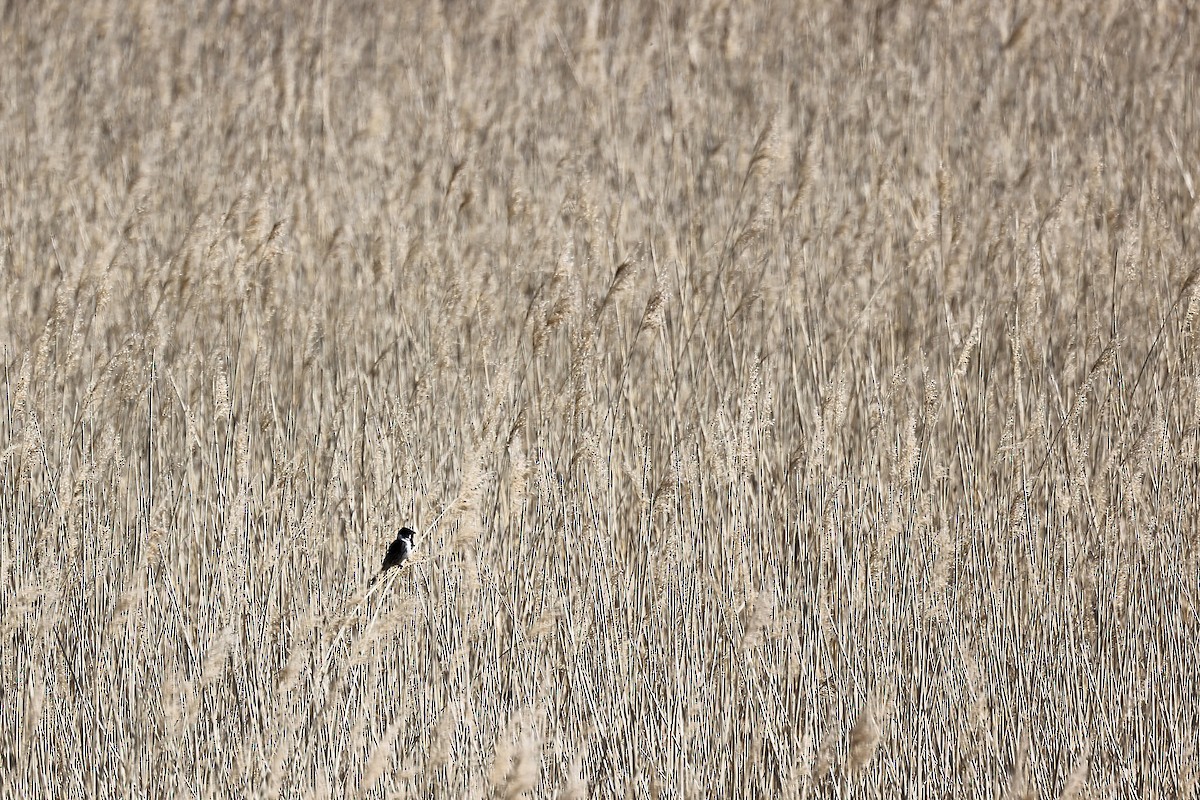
(397, 552)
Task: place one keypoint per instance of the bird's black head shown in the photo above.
(406, 534)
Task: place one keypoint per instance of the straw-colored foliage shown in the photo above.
(793, 399)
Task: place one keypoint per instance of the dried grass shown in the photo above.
(790, 400)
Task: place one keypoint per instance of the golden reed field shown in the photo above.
(791, 400)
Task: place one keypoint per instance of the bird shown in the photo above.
(397, 552)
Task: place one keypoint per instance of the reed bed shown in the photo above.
(791, 401)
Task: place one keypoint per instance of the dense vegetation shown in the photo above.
(790, 400)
